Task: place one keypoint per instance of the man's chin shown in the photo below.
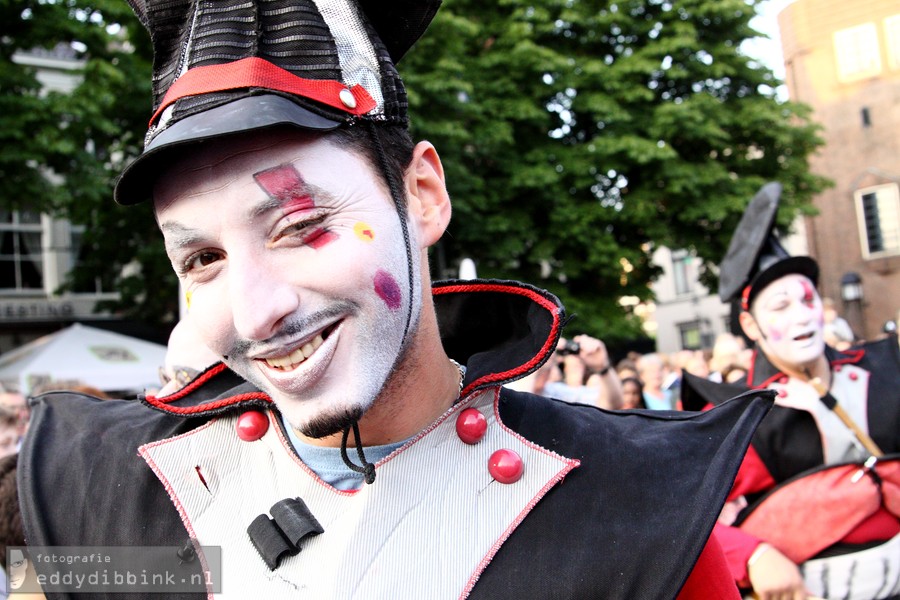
(328, 424)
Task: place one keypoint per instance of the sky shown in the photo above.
(768, 50)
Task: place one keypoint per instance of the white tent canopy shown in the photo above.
(79, 353)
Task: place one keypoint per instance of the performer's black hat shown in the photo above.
(755, 257)
(226, 66)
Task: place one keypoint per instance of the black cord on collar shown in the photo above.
(367, 468)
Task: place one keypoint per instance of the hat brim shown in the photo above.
(802, 265)
(246, 114)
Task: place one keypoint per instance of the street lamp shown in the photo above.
(851, 287)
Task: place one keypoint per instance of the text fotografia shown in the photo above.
(114, 569)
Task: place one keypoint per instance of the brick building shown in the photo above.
(843, 59)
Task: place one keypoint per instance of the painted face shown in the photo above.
(18, 568)
(790, 318)
(293, 254)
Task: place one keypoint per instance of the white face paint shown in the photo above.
(789, 315)
(294, 258)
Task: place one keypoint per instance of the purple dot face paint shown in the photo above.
(387, 289)
(283, 183)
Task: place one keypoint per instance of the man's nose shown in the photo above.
(261, 297)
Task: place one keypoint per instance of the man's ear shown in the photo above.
(426, 191)
(749, 325)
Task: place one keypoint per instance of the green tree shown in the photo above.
(580, 135)
(61, 152)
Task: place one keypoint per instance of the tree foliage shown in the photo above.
(61, 152)
(580, 135)
(577, 136)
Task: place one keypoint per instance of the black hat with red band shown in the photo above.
(223, 67)
(755, 257)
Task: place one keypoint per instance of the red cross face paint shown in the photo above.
(790, 317)
(387, 289)
(809, 292)
(284, 183)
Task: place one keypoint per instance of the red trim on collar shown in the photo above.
(165, 403)
(544, 302)
(253, 72)
(849, 357)
(846, 357)
(778, 375)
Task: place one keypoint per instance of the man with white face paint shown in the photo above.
(356, 440)
(819, 485)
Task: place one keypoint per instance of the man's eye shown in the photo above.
(201, 259)
(301, 228)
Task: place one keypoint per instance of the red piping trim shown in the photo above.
(550, 306)
(566, 468)
(254, 72)
(144, 452)
(201, 408)
(852, 357)
(165, 403)
(190, 387)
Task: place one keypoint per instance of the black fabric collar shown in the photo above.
(501, 331)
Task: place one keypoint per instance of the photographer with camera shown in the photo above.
(587, 375)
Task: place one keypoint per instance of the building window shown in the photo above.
(878, 210)
(21, 253)
(856, 52)
(691, 337)
(892, 35)
(681, 270)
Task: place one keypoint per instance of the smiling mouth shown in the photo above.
(804, 337)
(298, 356)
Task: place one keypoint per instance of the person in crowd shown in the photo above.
(298, 214)
(651, 371)
(9, 432)
(733, 373)
(587, 374)
(626, 368)
(836, 330)
(73, 386)
(632, 393)
(729, 352)
(815, 508)
(186, 358)
(14, 402)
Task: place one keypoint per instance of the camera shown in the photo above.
(569, 347)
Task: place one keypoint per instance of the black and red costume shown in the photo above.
(623, 508)
(805, 482)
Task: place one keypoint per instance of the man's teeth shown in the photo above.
(297, 356)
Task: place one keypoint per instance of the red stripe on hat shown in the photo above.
(745, 299)
(253, 72)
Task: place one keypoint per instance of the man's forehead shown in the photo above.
(791, 283)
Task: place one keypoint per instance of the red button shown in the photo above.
(783, 381)
(782, 393)
(506, 466)
(837, 368)
(471, 426)
(853, 376)
(252, 425)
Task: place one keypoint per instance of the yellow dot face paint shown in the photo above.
(187, 299)
(364, 232)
